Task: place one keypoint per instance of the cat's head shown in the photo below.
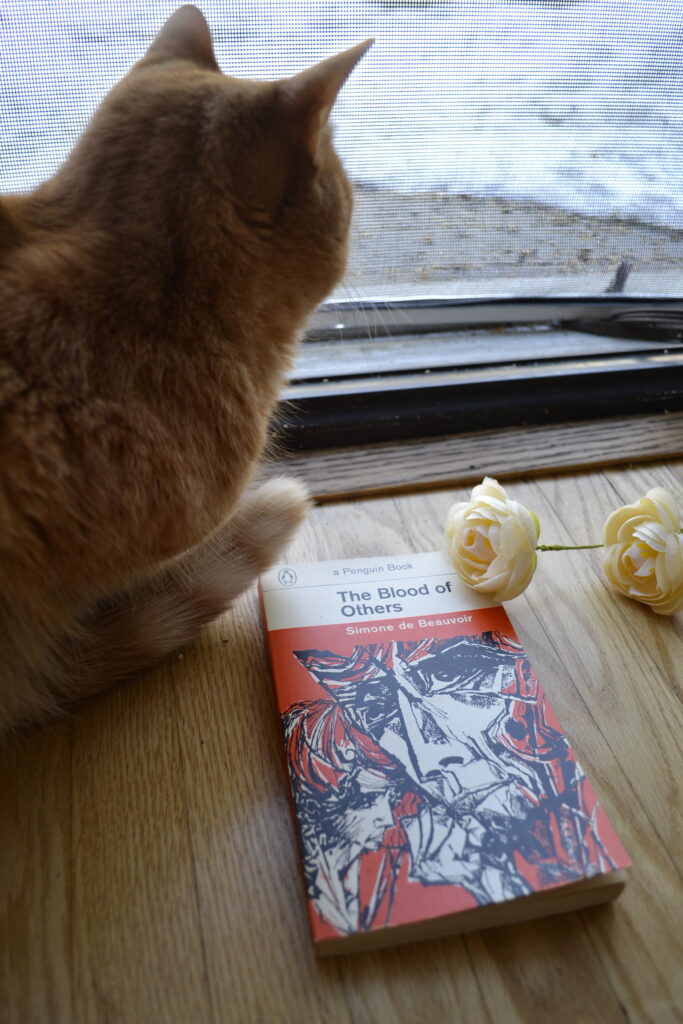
(245, 167)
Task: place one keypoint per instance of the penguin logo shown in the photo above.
(287, 577)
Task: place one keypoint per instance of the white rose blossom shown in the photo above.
(492, 541)
(644, 552)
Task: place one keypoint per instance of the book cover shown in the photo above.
(432, 783)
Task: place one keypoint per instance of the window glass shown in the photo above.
(499, 147)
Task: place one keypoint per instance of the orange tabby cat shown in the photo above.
(151, 294)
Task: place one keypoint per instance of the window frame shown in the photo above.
(342, 405)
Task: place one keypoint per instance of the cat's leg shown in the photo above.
(137, 629)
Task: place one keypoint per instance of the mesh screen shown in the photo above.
(497, 146)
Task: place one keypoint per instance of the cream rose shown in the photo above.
(492, 541)
(644, 552)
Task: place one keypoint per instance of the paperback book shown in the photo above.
(434, 790)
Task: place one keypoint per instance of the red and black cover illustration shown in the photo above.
(429, 773)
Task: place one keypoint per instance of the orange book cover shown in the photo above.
(428, 771)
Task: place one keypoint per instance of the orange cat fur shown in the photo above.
(151, 295)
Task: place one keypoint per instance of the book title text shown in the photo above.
(384, 600)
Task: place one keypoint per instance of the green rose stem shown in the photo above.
(570, 547)
(566, 547)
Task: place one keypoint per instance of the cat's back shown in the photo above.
(94, 446)
(151, 295)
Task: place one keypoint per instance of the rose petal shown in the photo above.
(644, 552)
(492, 541)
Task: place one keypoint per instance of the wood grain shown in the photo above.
(148, 867)
(407, 466)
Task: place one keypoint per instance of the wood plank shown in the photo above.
(35, 878)
(136, 933)
(149, 866)
(408, 466)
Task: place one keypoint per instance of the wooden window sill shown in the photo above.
(400, 467)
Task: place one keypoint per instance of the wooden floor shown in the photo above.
(148, 869)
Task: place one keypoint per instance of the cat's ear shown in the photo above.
(308, 97)
(185, 36)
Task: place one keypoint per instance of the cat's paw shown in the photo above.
(268, 518)
(207, 579)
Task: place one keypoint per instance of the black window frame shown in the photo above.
(642, 373)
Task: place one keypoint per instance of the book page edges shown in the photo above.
(562, 899)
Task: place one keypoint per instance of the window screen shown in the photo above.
(498, 146)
